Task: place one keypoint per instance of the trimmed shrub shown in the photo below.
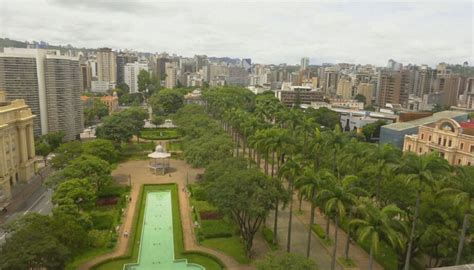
(199, 194)
(216, 229)
(112, 191)
(98, 238)
(102, 220)
(319, 231)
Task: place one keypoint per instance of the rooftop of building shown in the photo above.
(425, 120)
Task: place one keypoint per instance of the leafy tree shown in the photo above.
(324, 117)
(378, 224)
(131, 99)
(45, 144)
(247, 196)
(166, 101)
(42, 149)
(97, 111)
(144, 80)
(285, 261)
(96, 170)
(421, 171)
(65, 153)
(120, 127)
(101, 148)
(157, 120)
(372, 130)
(30, 244)
(360, 98)
(462, 191)
(75, 191)
(200, 152)
(338, 196)
(67, 228)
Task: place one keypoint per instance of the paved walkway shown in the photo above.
(140, 175)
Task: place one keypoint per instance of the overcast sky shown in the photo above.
(365, 32)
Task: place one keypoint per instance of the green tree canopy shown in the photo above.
(65, 153)
(75, 191)
(166, 101)
(96, 170)
(101, 148)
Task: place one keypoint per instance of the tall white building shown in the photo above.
(304, 63)
(131, 71)
(50, 83)
(171, 75)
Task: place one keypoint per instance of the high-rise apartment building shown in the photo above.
(107, 65)
(171, 75)
(17, 146)
(160, 66)
(367, 90)
(393, 87)
(344, 88)
(247, 64)
(51, 84)
(201, 60)
(304, 63)
(131, 71)
(123, 58)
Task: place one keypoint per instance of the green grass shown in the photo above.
(268, 236)
(136, 151)
(385, 255)
(175, 146)
(208, 261)
(86, 256)
(159, 133)
(349, 263)
(319, 231)
(201, 206)
(231, 246)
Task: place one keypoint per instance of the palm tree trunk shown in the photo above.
(243, 146)
(412, 233)
(461, 239)
(273, 162)
(371, 259)
(333, 261)
(300, 198)
(311, 221)
(266, 163)
(288, 243)
(327, 226)
(346, 251)
(275, 223)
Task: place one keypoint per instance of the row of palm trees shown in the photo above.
(331, 170)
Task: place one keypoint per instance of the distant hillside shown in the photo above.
(6, 42)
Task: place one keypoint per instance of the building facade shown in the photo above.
(51, 85)
(171, 75)
(17, 146)
(445, 136)
(107, 65)
(367, 90)
(131, 71)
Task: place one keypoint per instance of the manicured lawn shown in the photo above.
(159, 133)
(206, 260)
(175, 146)
(231, 246)
(136, 151)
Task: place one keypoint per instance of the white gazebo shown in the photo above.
(159, 160)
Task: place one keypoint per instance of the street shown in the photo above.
(39, 202)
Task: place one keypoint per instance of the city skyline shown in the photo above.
(327, 32)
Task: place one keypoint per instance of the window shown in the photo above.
(472, 148)
(422, 136)
(444, 142)
(420, 150)
(468, 163)
(409, 148)
(429, 138)
(449, 143)
(439, 141)
(462, 146)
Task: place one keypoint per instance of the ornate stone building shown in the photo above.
(17, 146)
(453, 141)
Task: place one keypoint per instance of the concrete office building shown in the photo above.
(304, 63)
(453, 141)
(171, 75)
(17, 146)
(367, 90)
(298, 95)
(344, 88)
(107, 65)
(49, 83)
(131, 71)
(122, 60)
(394, 87)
